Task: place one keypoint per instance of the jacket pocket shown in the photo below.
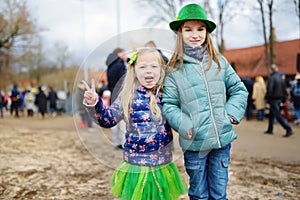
(225, 162)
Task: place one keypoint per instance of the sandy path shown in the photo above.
(46, 159)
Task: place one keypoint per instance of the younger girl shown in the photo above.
(147, 171)
(202, 97)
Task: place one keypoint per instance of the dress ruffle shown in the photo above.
(133, 182)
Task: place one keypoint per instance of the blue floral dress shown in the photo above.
(147, 171)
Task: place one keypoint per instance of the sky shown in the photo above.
(84, 25)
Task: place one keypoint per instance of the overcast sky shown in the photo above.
(83, 25)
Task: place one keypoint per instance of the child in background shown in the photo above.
(295, 95)
(147, 171)
(106, 98)
(202, 98)
(117, 138)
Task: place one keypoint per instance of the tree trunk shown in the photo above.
(272, 54)
(264, 33)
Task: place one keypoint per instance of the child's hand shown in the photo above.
(190, 134)
(90, 95)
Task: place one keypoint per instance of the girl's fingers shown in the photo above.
(87, 87)
(190, 134)
(93, 85)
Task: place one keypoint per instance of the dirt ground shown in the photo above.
(52, 159)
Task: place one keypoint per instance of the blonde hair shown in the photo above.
(131, 82)
(178, 52)
(260, 80)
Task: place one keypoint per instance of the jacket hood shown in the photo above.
(111, 59)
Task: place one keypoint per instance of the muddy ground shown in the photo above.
(52, 159)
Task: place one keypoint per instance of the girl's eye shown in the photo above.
(154, 66)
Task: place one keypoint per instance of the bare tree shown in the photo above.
(297, 7)
(16, 32)
(223, 12)
(268, 41)
(262, 12)
(165, 10)
(270, 4)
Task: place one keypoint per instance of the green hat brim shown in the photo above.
(175, 25)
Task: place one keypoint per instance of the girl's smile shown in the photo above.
(194, 32)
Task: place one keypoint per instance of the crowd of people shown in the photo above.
(30, 102)
(275, 99)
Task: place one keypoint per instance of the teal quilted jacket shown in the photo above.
(201, 100)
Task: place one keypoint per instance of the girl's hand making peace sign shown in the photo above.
(90, 95)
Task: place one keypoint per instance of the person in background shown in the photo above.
(52, 98)
(1, 103)
(102, 87)
(117, 138)
(258, 97)
(276, 94)
(29, 100)
(85, 118)
(249, 85)
(15, 101)
(202, 97)
(284, 106)
(147, 171)
(41, 102)
(106, 94)
(152, 44)
(116, 70)
(295, 97)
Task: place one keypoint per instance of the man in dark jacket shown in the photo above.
(116, 70)
(276, 94)
(52, 97)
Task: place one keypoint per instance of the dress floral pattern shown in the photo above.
(148, 142)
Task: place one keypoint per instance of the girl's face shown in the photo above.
(147, 69)
(194, 32)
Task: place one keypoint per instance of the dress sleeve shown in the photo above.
(106, 117)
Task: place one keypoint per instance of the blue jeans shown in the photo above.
(297, 112)
(261, 114)
(209, 174)
(275, 113)
(1, 109)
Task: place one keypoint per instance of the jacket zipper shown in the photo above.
(210, 105)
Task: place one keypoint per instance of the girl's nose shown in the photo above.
(195, 35)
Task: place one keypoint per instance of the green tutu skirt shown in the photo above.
(133, 182)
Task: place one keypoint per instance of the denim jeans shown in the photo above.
(261, 114)
(275, 113)
(209, 174)
(297, 112)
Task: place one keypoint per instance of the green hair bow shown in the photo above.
(133, 58)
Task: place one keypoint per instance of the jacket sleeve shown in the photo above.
(106, 117)
(177, 119)
(236, 92)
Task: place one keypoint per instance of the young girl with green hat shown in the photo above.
(202, 98)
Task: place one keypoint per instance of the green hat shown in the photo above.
(192, 12)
